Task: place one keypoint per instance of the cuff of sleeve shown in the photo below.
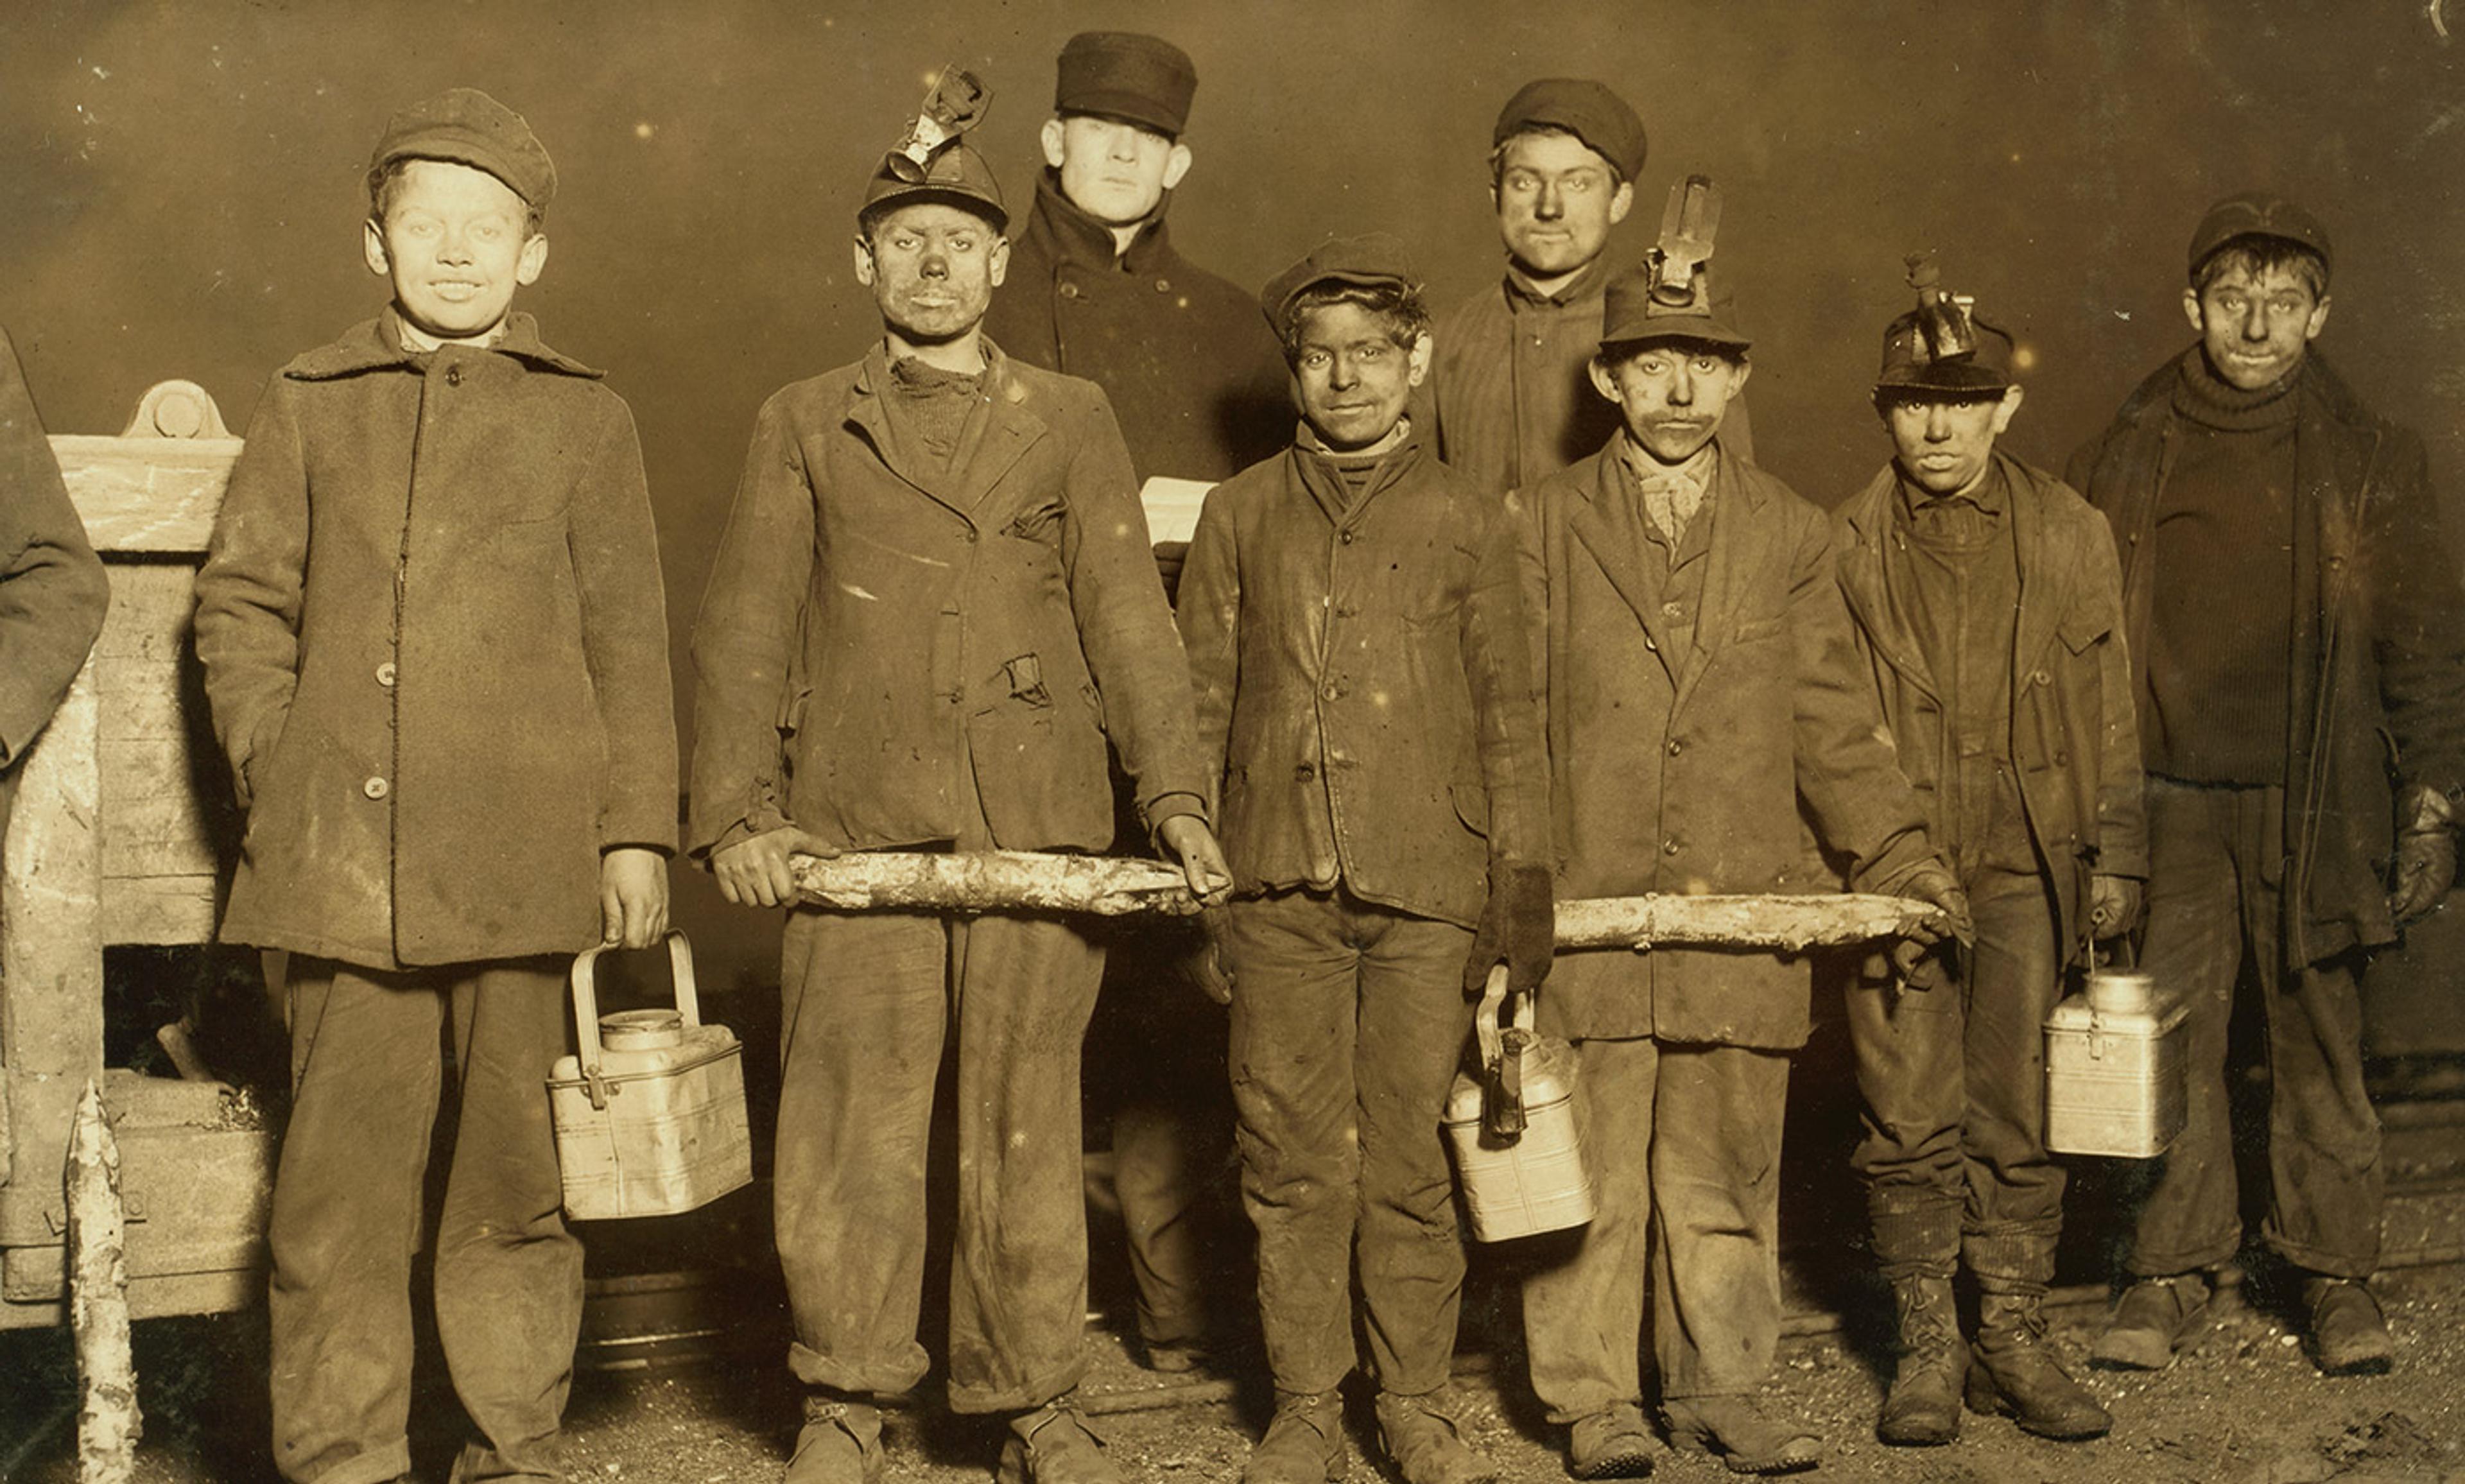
(1172, 805)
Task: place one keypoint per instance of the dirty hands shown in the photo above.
(1912, 957)
(1202, 860)
(633, 897)
(2114, 905)
(753, 872)
(1518, 928)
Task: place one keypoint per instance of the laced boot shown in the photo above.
(1923, 1407)
(1425, 1445)
(1054, 1444)
(1304, 1442)
(841, 1441)
(2014, 1374)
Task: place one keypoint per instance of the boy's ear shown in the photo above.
(372, 248)
(1176, 164)
(1604, 379)
(526, 268)
(1050, 137)
(863, 259)
(1418, 363)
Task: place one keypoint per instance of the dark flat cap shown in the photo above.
(1371, 261)
(932, 163)
(1588, 110)
(1633, 315)
(1123, 75)
(2257, 213)
(468, 128)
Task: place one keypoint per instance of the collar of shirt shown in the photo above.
(1085, 240)
(1590, 280)
(1695, 475)
(1989, 493)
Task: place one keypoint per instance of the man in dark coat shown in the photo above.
(1702, 688)
(2298, 646)
(455, 737)
(1351, 615)
(52, 590)
(1510, 384)
(931, 612)
(1097, 289)
(1988, 611)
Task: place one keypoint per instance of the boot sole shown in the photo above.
(1623, 1463)
(1912, 1438)
(1738, 1463)
(1987, 1402)
(2153, 1355)
(2364, 1365)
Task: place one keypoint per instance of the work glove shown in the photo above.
(2426, 852)
(1518, 928)
(1912, 957)
(2114, 905)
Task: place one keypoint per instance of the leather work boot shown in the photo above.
(1613, 1443)
(1734, 1429)
(2349, 1335)
(1923, 1407)
(2012, 1373)
(1054, 1444)
(2155, 1317)
(1425, 1444)
(1304, 1442)
(841, 1441)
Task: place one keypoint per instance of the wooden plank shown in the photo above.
(169, 909)
(147, 494)
(51, 942)
(97, 1234)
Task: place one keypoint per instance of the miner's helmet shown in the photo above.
(933, 163)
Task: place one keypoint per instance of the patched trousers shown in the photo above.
(1348, 1022)
(1684, 1144)
(366, 1075)
(871, 1001)
(2215, 885)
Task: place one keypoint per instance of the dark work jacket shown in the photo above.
(439, 722)
(1680, 764)
(883, 651)
(2376, 692)
(1195, 377)
(1361, 682)
(2075, 744)
(52, 590)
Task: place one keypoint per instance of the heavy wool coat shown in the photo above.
(2074, 736)
(1195, 377)
(1680, 763)
(885, 649)
(52, 590)
(1363, 681)
(2376, 681)
(436, 648)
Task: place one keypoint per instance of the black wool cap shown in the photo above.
(1123, 75)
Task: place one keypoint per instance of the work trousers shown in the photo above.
(2215, 898)
(870, 1000)
(1953, 1082)
(1348, 1022)
(1685, 1142)
(367, 1075)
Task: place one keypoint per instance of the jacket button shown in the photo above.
(1651, 644)
(971, 535)
(2041, 678)
(1345, 537)
(1069, 291)
(1333, 690)
(453, 376)
(1305, 772)
(1669, 847)
(2063, 760)
(376, 788)
(1676, 747)
(386, 673)
(1164, 285)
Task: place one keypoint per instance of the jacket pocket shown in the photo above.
(1471, 805)
(1755, 628)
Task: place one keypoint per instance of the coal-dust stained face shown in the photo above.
(455, 243)
(1944, 441)
(1353, 380)
(1113, 169)
(1674, 394)
(2255, 328)
(1556, 203)
(932, 269)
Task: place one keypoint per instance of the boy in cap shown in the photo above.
(1097, 289)
(52, 590)
(931, 611)
(1350, 614)
(2299, 659)
(1987, 607)
(1702, 688)
(438, 819)
(1512, 397)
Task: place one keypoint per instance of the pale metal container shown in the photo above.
(2115, 1070)
(1539, 1181)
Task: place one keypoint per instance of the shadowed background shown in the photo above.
(180, 188)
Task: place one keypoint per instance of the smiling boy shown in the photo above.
(1350, 614)
(437, 818)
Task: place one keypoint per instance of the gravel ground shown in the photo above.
(2244, 1404)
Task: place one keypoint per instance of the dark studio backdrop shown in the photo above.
(180, 188)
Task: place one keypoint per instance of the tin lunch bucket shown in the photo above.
(2114, 1069)
(650, 1117)
(1516, 1130)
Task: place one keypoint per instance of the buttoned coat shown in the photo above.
(1702, 752)
(2074, 740)
(52, 590)
(1194, 376)
(1361, 668)
(2376, 671)
(437, 650)
(885, 649)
